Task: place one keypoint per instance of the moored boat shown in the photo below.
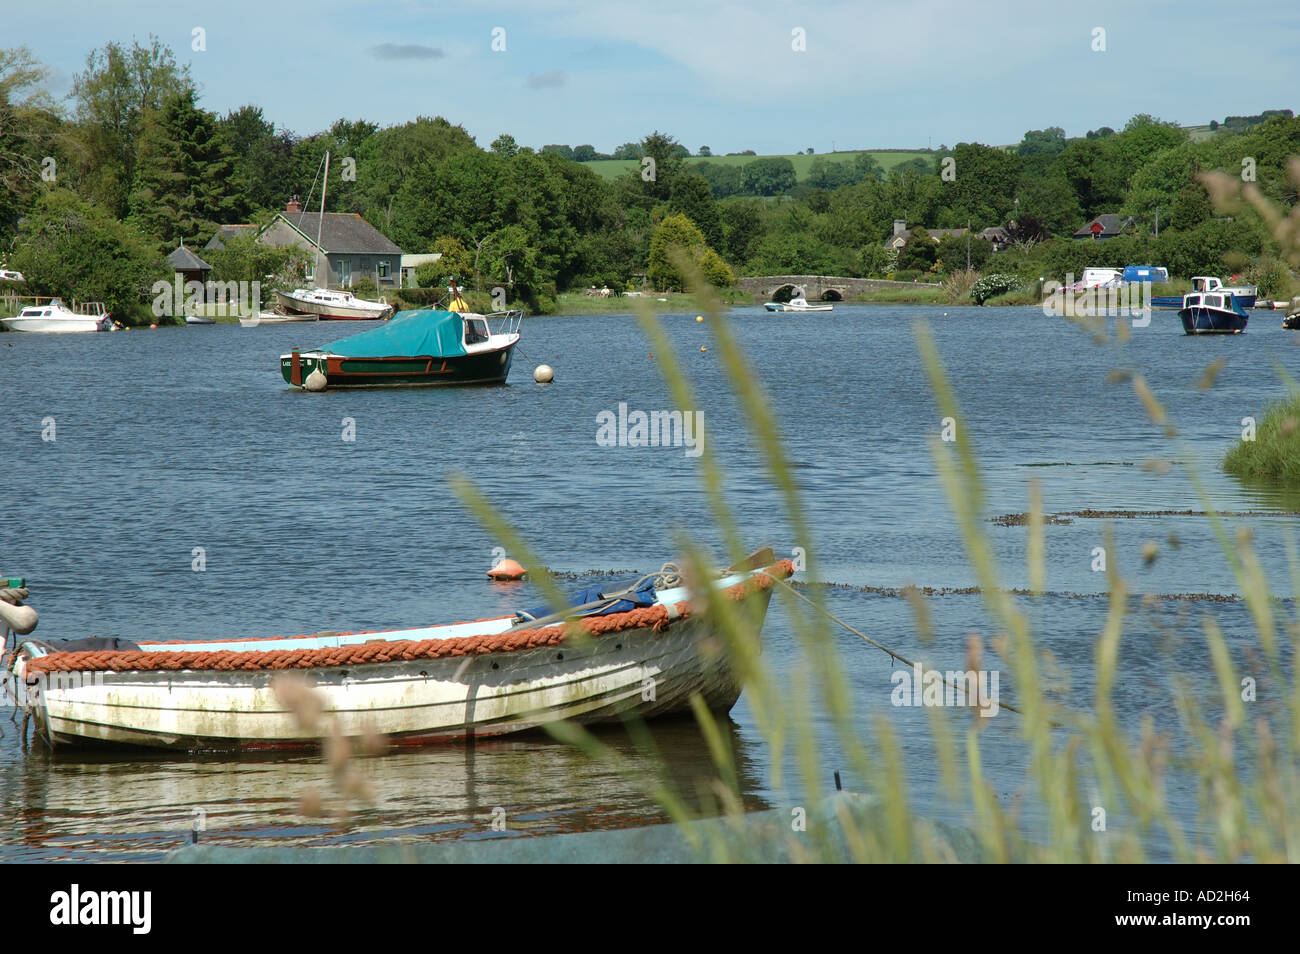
(1217, 313)
(332, 305)
(200, 320)
(1244, 294)
(57, 318)
(422, 347)
(644, 650)
(796, 304)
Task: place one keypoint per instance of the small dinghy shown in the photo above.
(645, 649)
(421, 347)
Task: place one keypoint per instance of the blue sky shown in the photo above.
(878, 74)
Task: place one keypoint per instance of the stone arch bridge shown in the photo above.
(818, 287)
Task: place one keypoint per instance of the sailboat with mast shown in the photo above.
(325, 303)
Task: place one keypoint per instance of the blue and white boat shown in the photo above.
(1245, 294)
(1213, 313)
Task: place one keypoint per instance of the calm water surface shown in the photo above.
(182, 438)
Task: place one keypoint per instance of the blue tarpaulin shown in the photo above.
(437, 334)
(642, 597)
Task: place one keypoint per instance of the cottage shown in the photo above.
(1105, 226)
(901, 234)
(342, 246)
(995, 236)
(188, 266)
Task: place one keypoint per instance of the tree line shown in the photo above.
(97, 190)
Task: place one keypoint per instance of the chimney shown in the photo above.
(900, 227)
(293, 205)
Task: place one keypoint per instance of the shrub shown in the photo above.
(991, 285)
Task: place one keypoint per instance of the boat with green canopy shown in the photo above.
(420, 347)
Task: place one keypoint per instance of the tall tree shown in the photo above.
(182, 173)
(117, 88)
(691, 196)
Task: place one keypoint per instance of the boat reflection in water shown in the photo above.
(137, 808)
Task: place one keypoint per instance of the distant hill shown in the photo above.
(888, 158)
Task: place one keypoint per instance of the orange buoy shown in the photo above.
(507, 569)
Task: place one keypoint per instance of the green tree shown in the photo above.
(182, 173)
(584, 153)
(456, 262)
(244, 259)
(677, 231)
(78, 250)
(723, 180)
(705, 151)
(983, 188)
(29, 128)
(505, 146)
(1042, 142)
(564, 152)
(113, 94)
(768, 176)
(919, 252)
(690, 196)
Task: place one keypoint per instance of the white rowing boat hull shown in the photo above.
(638, 670)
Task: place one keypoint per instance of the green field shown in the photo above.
(888, 158)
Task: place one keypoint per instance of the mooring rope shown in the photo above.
(882, 647)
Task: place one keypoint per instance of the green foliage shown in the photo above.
(768, 176)
(1274, 454)
(244, 259)
(952, 249)
(691, 197)
(77, 250)
(920, 251)
(181, 175)
(118, 87)
(457, 262)
(679, 232)
(1042, 142)
(29, 131)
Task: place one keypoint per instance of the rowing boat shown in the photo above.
(645, 650)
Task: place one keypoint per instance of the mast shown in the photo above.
(320, 223)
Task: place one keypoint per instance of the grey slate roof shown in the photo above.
(1110, 225)
(344, 232)
(182, 259)
(218, 241)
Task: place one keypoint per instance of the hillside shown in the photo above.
(888, 158)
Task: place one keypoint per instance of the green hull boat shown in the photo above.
(415, 348)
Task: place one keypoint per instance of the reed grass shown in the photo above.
(1273, 454)
(1079, 756)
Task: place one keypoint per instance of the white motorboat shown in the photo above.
(796, 304)
(332, 305)
(57, 318)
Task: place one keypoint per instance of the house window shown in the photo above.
(383, 269)
(345, 273)
(309, 271)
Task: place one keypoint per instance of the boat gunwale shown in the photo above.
(666, 608)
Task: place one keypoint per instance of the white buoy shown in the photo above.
(316, 381)
(21, 619)
(543, 374)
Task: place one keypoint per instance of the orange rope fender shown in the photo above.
(654, 617)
